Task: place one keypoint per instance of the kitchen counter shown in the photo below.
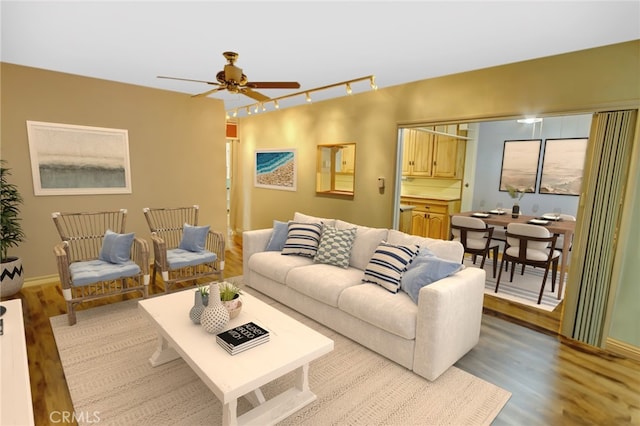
(434, 197)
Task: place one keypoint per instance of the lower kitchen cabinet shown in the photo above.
(430, 217)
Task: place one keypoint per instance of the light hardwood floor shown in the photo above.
(552, 382)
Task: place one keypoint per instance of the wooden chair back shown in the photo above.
(167, 223)
(83, 232)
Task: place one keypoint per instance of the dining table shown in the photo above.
(555, 226)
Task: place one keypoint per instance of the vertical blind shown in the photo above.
(607, 165)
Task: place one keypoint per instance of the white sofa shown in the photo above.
(427, 337)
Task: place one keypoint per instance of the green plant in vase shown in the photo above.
(230, 297)
(204, 293)
(516, 195)
(11, 235)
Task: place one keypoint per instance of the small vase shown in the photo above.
(215, 316)
(515, 212)
(198, 306)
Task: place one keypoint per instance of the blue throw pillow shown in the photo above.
(387, 265)
(278, 237)
(425, 271)
(193, 238)
(116, 248)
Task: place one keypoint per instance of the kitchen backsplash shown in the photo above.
(429, 187)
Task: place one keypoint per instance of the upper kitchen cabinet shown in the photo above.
(433, 151)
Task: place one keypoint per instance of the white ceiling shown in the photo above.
(314, 43)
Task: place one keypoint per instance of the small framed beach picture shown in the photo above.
(520, 160)
(68, 159)
(563, 166)
(276, 169)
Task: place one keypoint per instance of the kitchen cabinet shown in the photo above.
(436, 155)
(346, 159)
(430, 216)
(417, 157)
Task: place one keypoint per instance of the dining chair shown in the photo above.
(476, 238)
(566, 218)
(182, 250)
(96, 259)
(531, 245)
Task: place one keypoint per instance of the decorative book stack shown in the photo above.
(242, 337)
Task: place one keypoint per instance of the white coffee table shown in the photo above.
(292, 346)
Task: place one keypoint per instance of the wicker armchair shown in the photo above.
(86, 272)
(175, 264)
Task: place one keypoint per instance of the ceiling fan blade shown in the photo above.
(274, 85)
(208, 92)
(255, 95)
(188, 79)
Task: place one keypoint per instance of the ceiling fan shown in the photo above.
(233, 80)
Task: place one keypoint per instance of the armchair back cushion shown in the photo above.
(193, 238)
(116, 248)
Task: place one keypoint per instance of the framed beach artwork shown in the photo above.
(563, 166)
(520, 160)
(276, 169)
(75, 160)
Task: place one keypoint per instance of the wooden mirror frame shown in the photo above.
(336, 169)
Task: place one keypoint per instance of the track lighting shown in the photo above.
(307, 94)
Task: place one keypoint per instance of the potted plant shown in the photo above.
(230, 297)
(12, 277)
(516, 195)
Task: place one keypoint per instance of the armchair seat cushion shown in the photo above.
(179, 258)
(92, 271)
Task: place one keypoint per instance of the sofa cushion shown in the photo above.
(274, 266)
(305, 218)
(335, 246)
(387, 265)
(365, 243)
(278, 236)
(450, 250)
(302, 239)
(194, 238)
(323, 282)
(395, 313)
(116, 248)
(426, 269)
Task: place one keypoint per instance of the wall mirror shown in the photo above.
(336, 169)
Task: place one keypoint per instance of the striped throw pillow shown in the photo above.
(302, 239)
(387, 265)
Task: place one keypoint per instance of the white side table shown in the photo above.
(16, 407)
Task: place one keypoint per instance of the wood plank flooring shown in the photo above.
(553, 382)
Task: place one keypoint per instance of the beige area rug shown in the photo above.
(524, 289)
(105, 357)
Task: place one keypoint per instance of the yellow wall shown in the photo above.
(585, 81)
(176, 147)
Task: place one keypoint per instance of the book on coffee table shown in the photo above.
(242, 337)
